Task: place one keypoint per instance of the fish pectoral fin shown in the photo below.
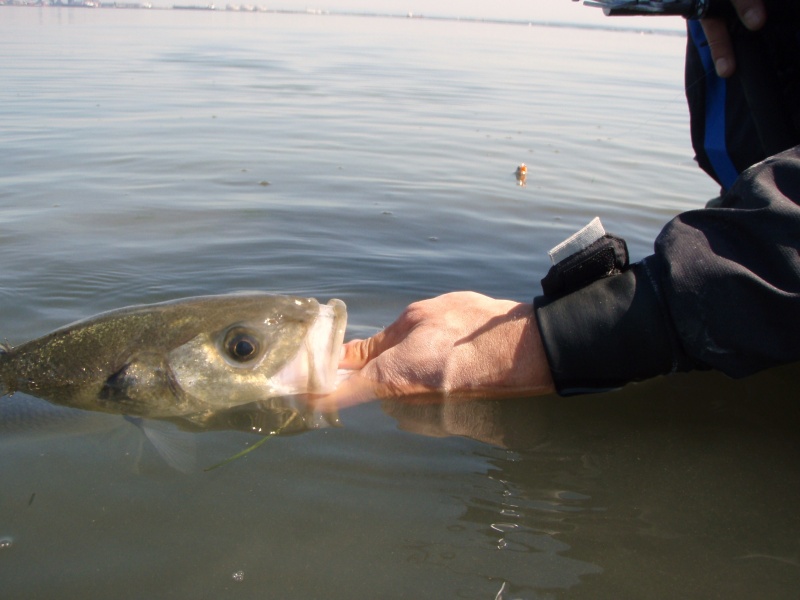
(177, 448)
(178, 453)
(141, 386)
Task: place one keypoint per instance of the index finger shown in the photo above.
(719, 42)
(751, 12)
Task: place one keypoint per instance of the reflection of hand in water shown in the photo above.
(458, 343)
(439, 414)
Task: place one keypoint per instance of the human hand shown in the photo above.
(462, 342)
(751, 13)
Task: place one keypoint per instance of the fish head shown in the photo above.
(225, 351)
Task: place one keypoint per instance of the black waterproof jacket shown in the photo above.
(722, 288)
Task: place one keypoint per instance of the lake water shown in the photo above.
(150, 155)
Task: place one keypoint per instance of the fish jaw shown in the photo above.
(313, 369)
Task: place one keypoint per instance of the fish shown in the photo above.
(234, 361)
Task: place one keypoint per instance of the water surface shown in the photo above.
(150, 155)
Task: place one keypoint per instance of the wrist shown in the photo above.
(526, 368)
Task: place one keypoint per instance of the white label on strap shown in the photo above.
(578, 241)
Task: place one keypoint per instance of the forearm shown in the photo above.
(722, 290)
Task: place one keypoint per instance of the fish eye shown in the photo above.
(241, 347)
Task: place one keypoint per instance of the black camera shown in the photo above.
(689, 9)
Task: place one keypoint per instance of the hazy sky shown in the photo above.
(533, 10)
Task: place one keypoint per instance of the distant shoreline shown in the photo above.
(254, 8)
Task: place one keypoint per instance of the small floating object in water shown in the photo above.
(521, 174)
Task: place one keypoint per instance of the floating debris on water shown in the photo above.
(238, 576)
(5, 542)
(521, 174)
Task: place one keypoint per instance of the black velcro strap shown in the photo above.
(604, 257)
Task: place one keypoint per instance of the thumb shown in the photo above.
(357, 353)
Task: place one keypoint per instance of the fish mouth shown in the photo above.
(314, 367)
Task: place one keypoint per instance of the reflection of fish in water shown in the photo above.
(189, 361)
(30, 419)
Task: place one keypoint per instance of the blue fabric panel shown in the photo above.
(714, 142)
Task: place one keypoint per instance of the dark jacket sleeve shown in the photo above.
(722, 288)
(722, 291)
(740, 121)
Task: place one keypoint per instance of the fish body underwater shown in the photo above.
(191, 359)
